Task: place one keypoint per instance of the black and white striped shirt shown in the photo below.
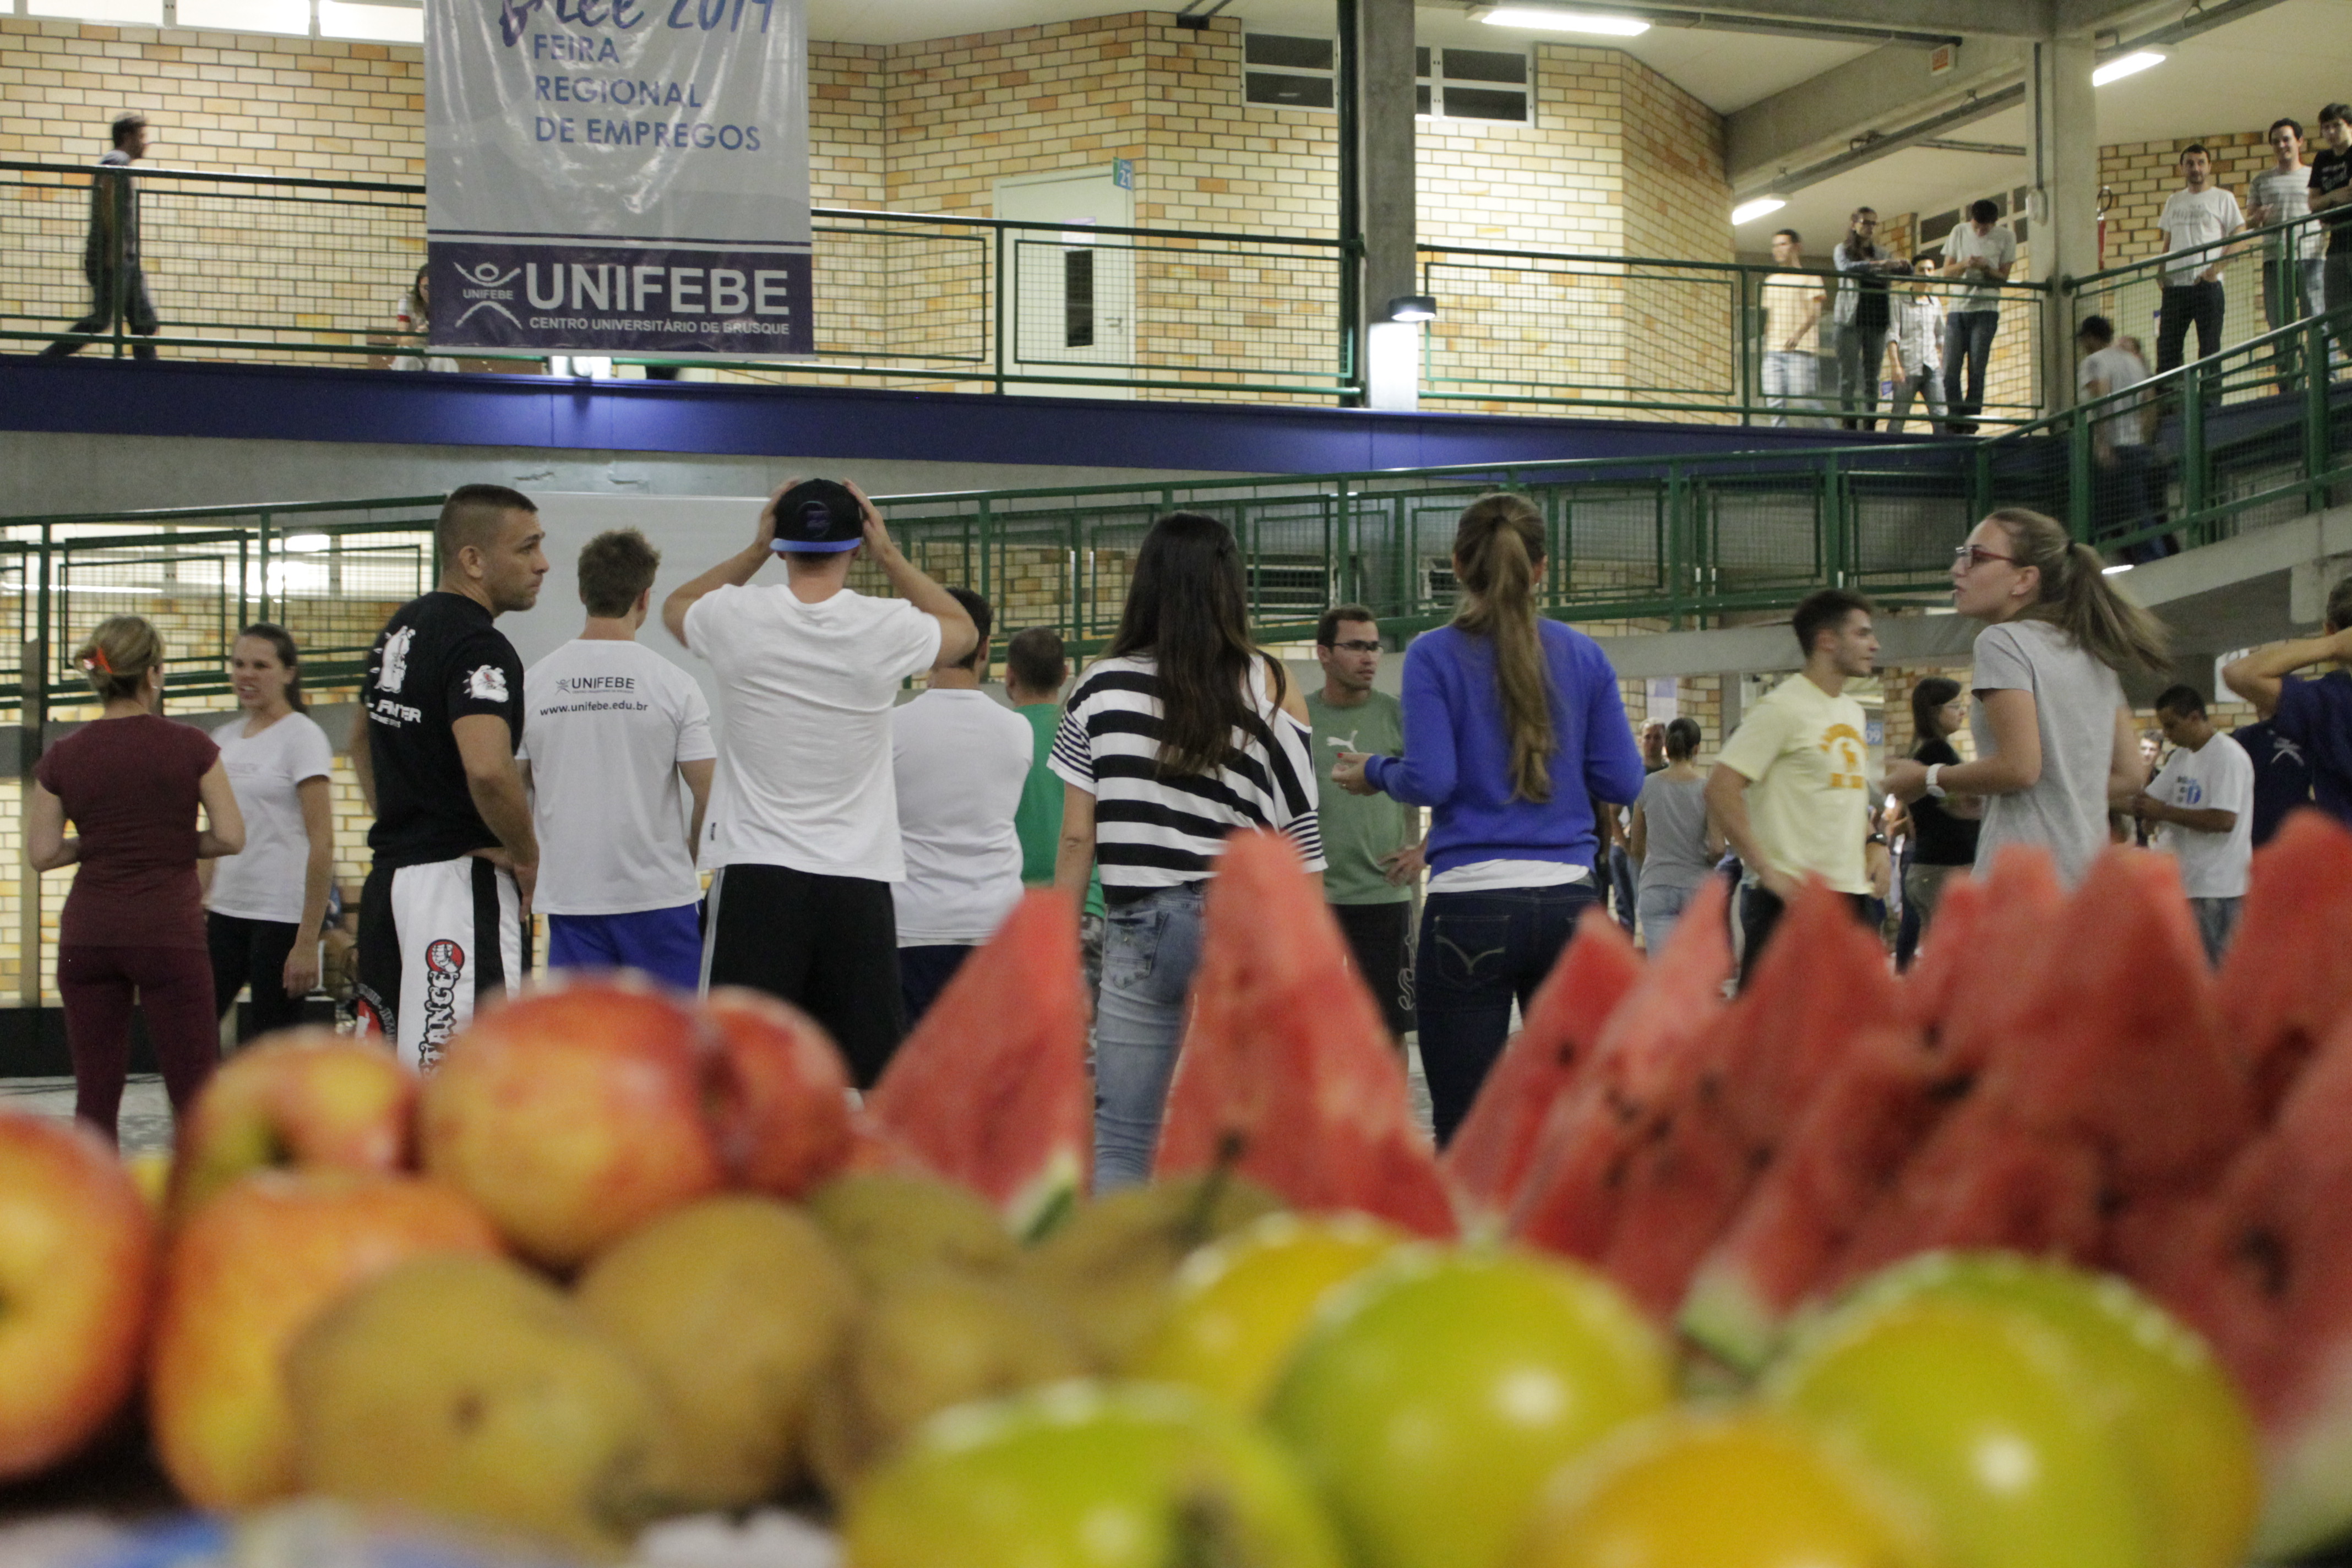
(1156, 830)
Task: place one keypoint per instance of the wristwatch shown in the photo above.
(1934, 788)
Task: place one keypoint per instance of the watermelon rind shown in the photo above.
(1729, 1320)
(2307, 1469)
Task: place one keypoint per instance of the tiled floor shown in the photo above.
(146, 1121)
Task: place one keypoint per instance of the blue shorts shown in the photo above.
(664, 944)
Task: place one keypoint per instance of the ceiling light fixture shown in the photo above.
(2131, 64)
(1545, 19)
(1413, 308)
(1762, 206)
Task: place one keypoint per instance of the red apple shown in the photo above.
(246, 1275)
(299, 1098)
(576, 1113)
(77, 1284)
(789, 1128)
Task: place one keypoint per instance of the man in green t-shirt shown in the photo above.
(1035, 670)
(1373, 842)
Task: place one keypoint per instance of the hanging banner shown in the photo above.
(623, 176)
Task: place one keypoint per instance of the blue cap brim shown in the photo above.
(818, 547)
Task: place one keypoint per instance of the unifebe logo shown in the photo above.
(445, 965)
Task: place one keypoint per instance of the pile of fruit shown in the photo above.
(1846, 1271)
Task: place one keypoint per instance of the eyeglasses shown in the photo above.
(1967, 557)
(1356, 647)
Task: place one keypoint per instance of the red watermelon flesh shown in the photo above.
(990, 1089)
(1568, 1202)
(1740, 1092)
(2287, 978)
(1870, 1115)
(1287, 1072)
(1488, 1157)
(1975, 977)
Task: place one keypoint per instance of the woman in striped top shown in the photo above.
(1513, 731)
(1180, 734)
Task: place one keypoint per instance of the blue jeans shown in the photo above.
(1661, 908)
(1968, 349)
(1479, 952)
(1625, 884)
(1150, 947)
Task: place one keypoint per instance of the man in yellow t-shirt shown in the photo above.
(1792, 788)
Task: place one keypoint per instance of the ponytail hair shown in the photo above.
(2077, 599)
(1498, 549)
(282, 642)
(118, 655)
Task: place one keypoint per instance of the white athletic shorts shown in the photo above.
(434, 938)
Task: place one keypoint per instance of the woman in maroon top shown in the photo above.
(134, 922)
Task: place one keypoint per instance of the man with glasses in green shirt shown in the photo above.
(1373, 842)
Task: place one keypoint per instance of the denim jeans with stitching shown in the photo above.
(1968, 349)
(1478, 952)
(1150, 947)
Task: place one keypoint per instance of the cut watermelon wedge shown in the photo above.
(1976, 976)
(2287, 978)
(1821, 982)
(1488, 1157)
(1568, 1202)
(990, 1089)
(1286, 1075)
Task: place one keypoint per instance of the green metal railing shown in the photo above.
(2267, 283)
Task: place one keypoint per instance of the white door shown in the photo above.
(1070, 293)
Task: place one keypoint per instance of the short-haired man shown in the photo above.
(2198, 222)
(613, 729)
(443, 915)
(1792, 305)
(1918, 340)
(961, 759)
(2317, 715)
(110, 253)
(2200, 810)
(1790, 790)
(1036, 670)
(2122, 490)
(2292, 285)
(1978, 256)
(1370, 841)
(803, 810)
(2331, 193)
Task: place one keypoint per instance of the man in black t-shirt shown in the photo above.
(444, 914)
(2331, 193)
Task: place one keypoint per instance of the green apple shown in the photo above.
(1242, 1303)
(2182, 1425)
(1433, 1397)
(1085, 1475)
(1987, 1420)
(1747, 1490)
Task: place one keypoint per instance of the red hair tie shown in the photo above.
(97, 661)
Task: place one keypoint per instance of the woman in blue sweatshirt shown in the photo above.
(1512, 729)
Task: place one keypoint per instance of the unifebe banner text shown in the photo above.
(623, 176)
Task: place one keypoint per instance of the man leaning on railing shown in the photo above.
(2331, 193)
(110, 257)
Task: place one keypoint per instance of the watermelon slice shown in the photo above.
(2287, 978)
(1871, 1114)
(1286, 1075)
(1823, 981)
(1488, 1157)
(1975, 977)
(1568, 1201)
(990, 1089)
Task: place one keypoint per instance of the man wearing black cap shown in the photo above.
(803, 822)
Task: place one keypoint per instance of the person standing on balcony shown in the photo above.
(1515, 738)
(2122, 480)
(2331, 193)
(1373, 842)
(1919, 345)
(110, 257)
(1864, 314)
(804, 807)
(445, 910)
(1978, 256)
(267, 906)
(1792, 330)
(2198, 222)
(132, 931)
(2281, 193)
(1181, 733)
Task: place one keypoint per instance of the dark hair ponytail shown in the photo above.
(282, 642)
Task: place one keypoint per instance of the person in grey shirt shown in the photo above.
(1672, 840)
(2056, 744)
(2281, 193)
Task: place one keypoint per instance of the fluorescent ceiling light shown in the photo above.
(2127, 65)
(305, 543)
(2116, 569)
(1762, 206)
(1547, 20)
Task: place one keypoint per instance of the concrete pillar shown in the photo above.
(1385, 170)
(2063, 152)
